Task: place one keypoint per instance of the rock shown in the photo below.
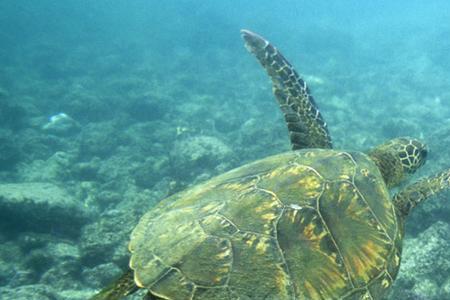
(84, 105)
(38, 145)
(29, 292)
(100, 139)
(102, 239)
(147, 174)
(63, 275)
(57, 168)
(77, 294)
(38, 261)
(426, 264)
(10, 153)
(192, 155)
(5, 274)
(446, 289)
(11, 115)
(87, 171)
(145, 108)
(100, 276)
(20, 277)
(39, 207)
(28, 241)
(426, 289)
(12, 271)
(114, 173)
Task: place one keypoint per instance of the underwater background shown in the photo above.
(107, 107)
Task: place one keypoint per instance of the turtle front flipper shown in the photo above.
(417, 192)
(119, 289)
(307, 128)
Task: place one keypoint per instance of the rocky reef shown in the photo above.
(95, 134)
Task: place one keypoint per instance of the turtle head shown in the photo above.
(399, 157)
(411, 152)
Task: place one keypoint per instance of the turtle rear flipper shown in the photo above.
(307, 128)
(119, 289)
(417, 192)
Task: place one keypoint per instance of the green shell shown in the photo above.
(309, 224)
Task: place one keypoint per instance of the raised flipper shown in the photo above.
(415, 193)
(119, 289)
(306, 127)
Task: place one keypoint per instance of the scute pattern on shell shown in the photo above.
(309, 224)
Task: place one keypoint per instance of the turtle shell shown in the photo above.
(309, 224)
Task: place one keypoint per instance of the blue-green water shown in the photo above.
(149, 97)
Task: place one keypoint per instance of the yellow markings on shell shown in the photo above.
(251, 240)
(208, 220)
(308, 232)
(209, 208)
(187, 209)
(334, 256)
(365, 172)
(274, 173)
(343, 193)
(313, 293)
(312, 184)
(385, 283)
(222, 271)
(269, 216)
(266, 206)
(344, 187)
(261, 246)
(341, 197)
(396, 260)
(366, 259)
(224, 254)
(292, 214)
(290, 170)
(281, 278)
(345, 177)
(240, 186)
(234, 186)
(327, 284)
(310, 154)
(367, 296)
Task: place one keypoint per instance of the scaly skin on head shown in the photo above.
(399, 157)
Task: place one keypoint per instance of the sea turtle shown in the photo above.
(313, 223)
